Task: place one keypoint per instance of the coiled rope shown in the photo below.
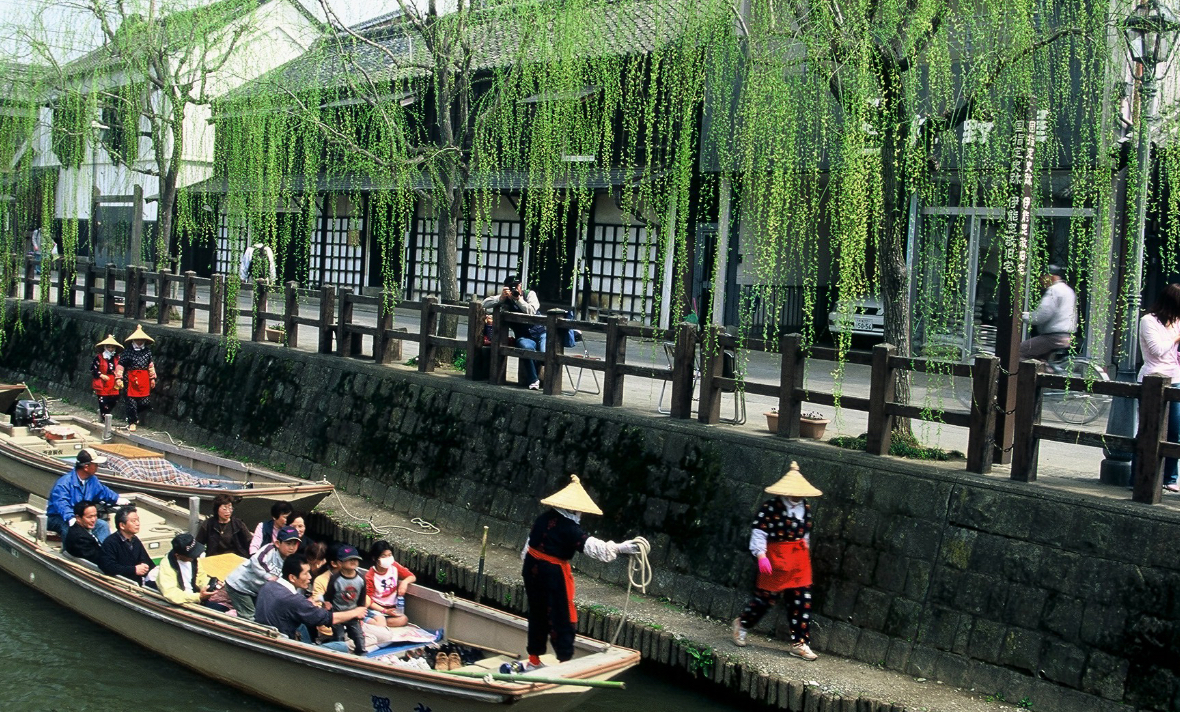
(638, 576)
(423, 526)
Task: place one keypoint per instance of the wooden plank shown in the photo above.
(646, 332)
(497, 361)
(1153, 422)
(428, 326)
(89, 278)
(327, 310)
(553, 384)
(384, 324)
(343, 320)
(261, 306)
(956, 418)
(1025, 444)
(291, 314)
(882, 385)
(790, 381)
(712, 365)
(162, 297)
(1082, 437)
(824, 353)
(476, 319)
(188, 311)
(929, 365)
(108, 289)
(1117, 389)
(981, 438)
(821, 398)
(589, 362)
(446, 341)
(684, 357)
(217, 319)
(615, 358)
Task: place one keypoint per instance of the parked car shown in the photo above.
(863, 317)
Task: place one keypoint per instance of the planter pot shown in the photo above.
(771, 422)
(812, 428)
(275, 335)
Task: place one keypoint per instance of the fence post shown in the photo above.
(1148, 478)
(62, 291)
(428, 327)
(188, 310)
(12, 271)
(475, 322)
(108, 290)
(381, 352)
(497, 363)
(1026, 446)
(67, 294)
(713, 363)
(217, 304)
(791, 379)
(30, 276)
(981, 438)
(162, 307)
(88, 283)
(261, 304)
(327, 311)
(290, 312)
(131, 287)
(616, 355)
(554, 350)
(882, 384)
(684, 371)
(343, 321)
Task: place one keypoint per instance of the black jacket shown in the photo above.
(119, 557)
(81, 542)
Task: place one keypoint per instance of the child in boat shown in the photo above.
(384, 583)
(346, 591)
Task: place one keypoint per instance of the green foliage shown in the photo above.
(901, 445)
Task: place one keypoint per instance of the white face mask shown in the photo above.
(385, 562)
(108, 354)
(137, 346)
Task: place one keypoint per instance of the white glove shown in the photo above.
(627, 547)
(71, 522)
(123, 501)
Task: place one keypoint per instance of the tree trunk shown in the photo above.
(448, 267)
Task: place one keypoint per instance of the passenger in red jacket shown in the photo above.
(137, 369)
(102, 371)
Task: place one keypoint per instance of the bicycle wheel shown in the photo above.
(1080, 407)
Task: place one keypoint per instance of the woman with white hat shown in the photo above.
(102, 374)
(139, 371)
(548, 580)
(780, 541)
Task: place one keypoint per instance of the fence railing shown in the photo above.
(692, 354)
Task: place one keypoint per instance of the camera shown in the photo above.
(214, 584)
(516, 292)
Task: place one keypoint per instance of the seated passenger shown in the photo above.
(384, 583)
(267, 532)
(180, 578)
(222, 532)
(123, 554)
(346, 591)
(80, 540)
(76, 485)
(282, 604)
(244, 582)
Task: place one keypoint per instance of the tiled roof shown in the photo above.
(624, 28)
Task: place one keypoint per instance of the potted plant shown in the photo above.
(772, 420)
(812, 424)
(275, 333)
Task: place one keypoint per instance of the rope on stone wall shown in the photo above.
(423, 526)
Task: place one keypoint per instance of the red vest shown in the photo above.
(106, 367)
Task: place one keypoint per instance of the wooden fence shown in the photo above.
(692, 354)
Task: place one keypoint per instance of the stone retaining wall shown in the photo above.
(1067, 601)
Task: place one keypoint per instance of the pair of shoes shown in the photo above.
(131, 427)
(739, 633)
(535, 385)
(803, 650)
(518, 666)
(442, 663)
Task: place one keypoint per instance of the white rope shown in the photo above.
(638, 576)
(423, 526)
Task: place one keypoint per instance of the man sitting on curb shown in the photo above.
(244, 582)
(282, 604)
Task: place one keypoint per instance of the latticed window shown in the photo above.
(622, 264)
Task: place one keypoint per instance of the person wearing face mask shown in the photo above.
(102, 373)
(548, 580)
(137, 369)
(781, 541)
(385, 582)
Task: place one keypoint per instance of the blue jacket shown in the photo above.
(69, 490)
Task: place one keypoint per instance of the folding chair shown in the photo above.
(569, 376)
(670, 354)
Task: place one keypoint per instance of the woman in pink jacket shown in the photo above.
(1159, 335)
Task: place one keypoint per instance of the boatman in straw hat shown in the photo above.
(102, 371)
(138, 371)
(780, 540)
(548, 581)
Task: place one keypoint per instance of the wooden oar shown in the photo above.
(483, 550)
(541, 679)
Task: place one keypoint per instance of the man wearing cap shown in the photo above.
(75, 486)
(102, 374)
(80, 540)
(282, 604)
(138, 371)
(548, 580)
(243, 583)
(123, 554)
(180, 578)
(514, 298)
(1056, 316)
(780, 541)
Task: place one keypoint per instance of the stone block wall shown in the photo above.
(1066, 601)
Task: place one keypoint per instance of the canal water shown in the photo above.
(54, 660)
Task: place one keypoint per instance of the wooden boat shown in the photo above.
(255, 659)
(33, 458)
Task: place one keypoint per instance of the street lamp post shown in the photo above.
(1150, 33)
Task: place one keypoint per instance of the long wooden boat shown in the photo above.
(33, 458)
(255, 659)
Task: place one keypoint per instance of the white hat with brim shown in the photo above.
(793, 484)
(139, 335)
(573, 497)
(108, 341)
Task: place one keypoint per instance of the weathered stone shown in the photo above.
(1021, 649)
(1105, 675)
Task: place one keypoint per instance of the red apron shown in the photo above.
(105, 388)
(792, 566)
(569, 578)
(139, 383)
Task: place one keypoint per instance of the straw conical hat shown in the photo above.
(573, 498)
(792, 484)
(108, 341)
(139, 335)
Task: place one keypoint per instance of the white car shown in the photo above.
(861, 317)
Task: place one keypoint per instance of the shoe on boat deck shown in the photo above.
(739, 633)
(803, 650)
(442, 663)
